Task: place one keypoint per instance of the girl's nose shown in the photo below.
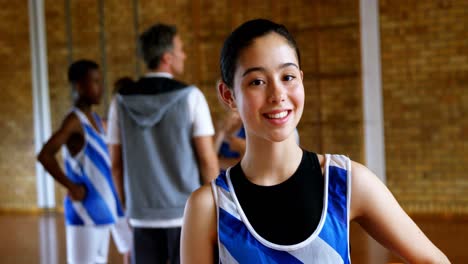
(277, 93)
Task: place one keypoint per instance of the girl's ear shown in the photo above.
(226, 96)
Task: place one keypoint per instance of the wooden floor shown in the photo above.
(41, 239)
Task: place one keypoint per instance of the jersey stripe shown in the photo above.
(226, 256)
(221, 181)
(244, 247)
(105, 191)
(91, 132)
(72, 217)
(227, 204)
(95, 205)
(102, 169)
(336, 223)
(103, 178)
(71, 172)
(337, 194)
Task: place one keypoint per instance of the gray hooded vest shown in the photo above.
(160, 166)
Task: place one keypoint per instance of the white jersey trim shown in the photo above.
(286, 247)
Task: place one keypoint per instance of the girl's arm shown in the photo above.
(225, 163)
(199, 233)
(220, 133)
(70, 126)
(226, 128)
(237, 144)
(378, 212)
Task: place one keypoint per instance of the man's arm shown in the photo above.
(202, 136)
(207, 158)
(115, 151)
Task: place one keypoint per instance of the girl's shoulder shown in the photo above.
(200, 225)
(200, 212)
(322, 159)
(337, 160)
(203, 197)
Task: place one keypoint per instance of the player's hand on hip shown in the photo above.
(77, 192)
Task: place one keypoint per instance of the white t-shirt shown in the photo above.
(202, 126)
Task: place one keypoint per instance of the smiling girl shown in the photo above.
(280, 203)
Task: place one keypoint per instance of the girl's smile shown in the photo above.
(278, 117)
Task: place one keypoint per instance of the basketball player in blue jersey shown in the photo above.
(280, 203)
(92, 209)
(230, 140)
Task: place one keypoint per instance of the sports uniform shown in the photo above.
(328, 241)
(89, 222)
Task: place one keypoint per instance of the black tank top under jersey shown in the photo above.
(287, 213)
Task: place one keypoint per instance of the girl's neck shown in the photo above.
(83, 106)
(269, 163)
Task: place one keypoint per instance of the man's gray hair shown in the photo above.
(154, 42)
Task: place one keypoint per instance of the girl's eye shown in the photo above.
(257, 82)
(289, 77)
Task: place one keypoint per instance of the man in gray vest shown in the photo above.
(160, 137)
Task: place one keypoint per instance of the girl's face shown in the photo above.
(268, 89)
(91, 88)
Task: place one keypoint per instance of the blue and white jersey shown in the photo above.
(92, 168)
(238, 242)
(225, 148)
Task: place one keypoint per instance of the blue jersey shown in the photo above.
(225, 149)
(238, 242)
(92, 168)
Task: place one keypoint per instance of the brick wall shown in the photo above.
(17, 170)
(425, 75)
(424, 63)
(327, 35)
